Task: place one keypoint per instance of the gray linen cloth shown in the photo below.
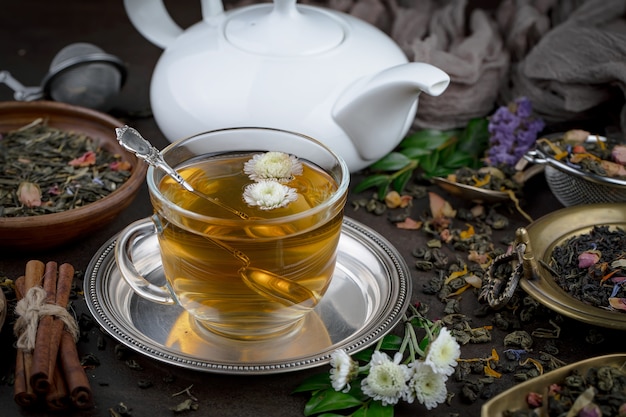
(567, 56)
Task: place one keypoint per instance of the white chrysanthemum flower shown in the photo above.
(443, 353)
(387, 380)
(268, 195)
(277, 166)
(343, 370)
(427, 385)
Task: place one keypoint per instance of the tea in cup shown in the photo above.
(251, 259)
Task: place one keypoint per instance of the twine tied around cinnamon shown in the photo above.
(30, 310)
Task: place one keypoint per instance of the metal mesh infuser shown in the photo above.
(572, 186)
(571, 190)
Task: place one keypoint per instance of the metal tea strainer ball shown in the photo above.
(80, 74)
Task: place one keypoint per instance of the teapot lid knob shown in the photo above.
(284, 29)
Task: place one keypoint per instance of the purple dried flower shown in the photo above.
(513, 131)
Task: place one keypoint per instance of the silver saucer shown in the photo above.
(369, 293)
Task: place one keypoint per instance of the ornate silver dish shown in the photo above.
(368, 296)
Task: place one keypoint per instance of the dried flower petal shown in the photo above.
(409, 224)
(85, 160)
(588, 258)
(575, 136)
(617, 303)
(29, 194)
(120, 166)
(534, 399)
(619, 154)
(613, 169)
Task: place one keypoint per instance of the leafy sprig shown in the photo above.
(434, 152)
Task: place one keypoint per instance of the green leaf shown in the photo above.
(414, 153)
(391, 342)
(329, 400)
(429, 163)
(374, 409)
(382, 191)
(314, 383)
(458, 160)
(429, 139)
(475, 138)
(363, 355)
(401, 180)
(372, 181)
(393, 161)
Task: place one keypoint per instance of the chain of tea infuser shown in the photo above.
(498, 292)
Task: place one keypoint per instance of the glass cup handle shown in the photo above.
(134, 232)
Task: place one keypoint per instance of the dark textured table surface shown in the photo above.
(31, 33)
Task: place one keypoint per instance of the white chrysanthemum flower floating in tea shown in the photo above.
(270, 171)
(277, 166)
(269, 195)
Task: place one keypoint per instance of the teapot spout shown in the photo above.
(383, 106)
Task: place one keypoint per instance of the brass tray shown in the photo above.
(515, 398)
(552, 230)
(369, 293)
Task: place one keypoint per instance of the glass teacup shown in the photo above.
(252, 260)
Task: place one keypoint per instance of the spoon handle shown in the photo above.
(131, 140)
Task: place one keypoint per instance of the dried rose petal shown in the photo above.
(619, 154)
(534, 399)
(588, 258)
(617, 303)
(120, 166)
(409, 224)
(29, 194)
(85, 160)
(613, 169)
(590, 410)
(439, 207)
(575, 136)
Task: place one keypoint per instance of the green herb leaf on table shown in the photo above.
(434, 152)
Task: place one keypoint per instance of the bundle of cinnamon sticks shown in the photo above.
(50, 375)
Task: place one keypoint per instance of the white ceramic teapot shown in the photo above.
(302, 68)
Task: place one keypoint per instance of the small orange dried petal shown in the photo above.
(466, 234)
(85, 160)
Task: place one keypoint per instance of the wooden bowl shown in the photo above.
(49, 230)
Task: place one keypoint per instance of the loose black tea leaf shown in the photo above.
(591, 267)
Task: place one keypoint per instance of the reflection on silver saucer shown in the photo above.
(369, 293)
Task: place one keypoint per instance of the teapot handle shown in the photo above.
(153, 21)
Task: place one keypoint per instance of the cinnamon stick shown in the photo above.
(43, 360)
(57, 398)
(23, 393)
(58, 288)
(75, 377)
(33, 275)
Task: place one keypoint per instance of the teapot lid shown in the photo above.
(284, 29)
